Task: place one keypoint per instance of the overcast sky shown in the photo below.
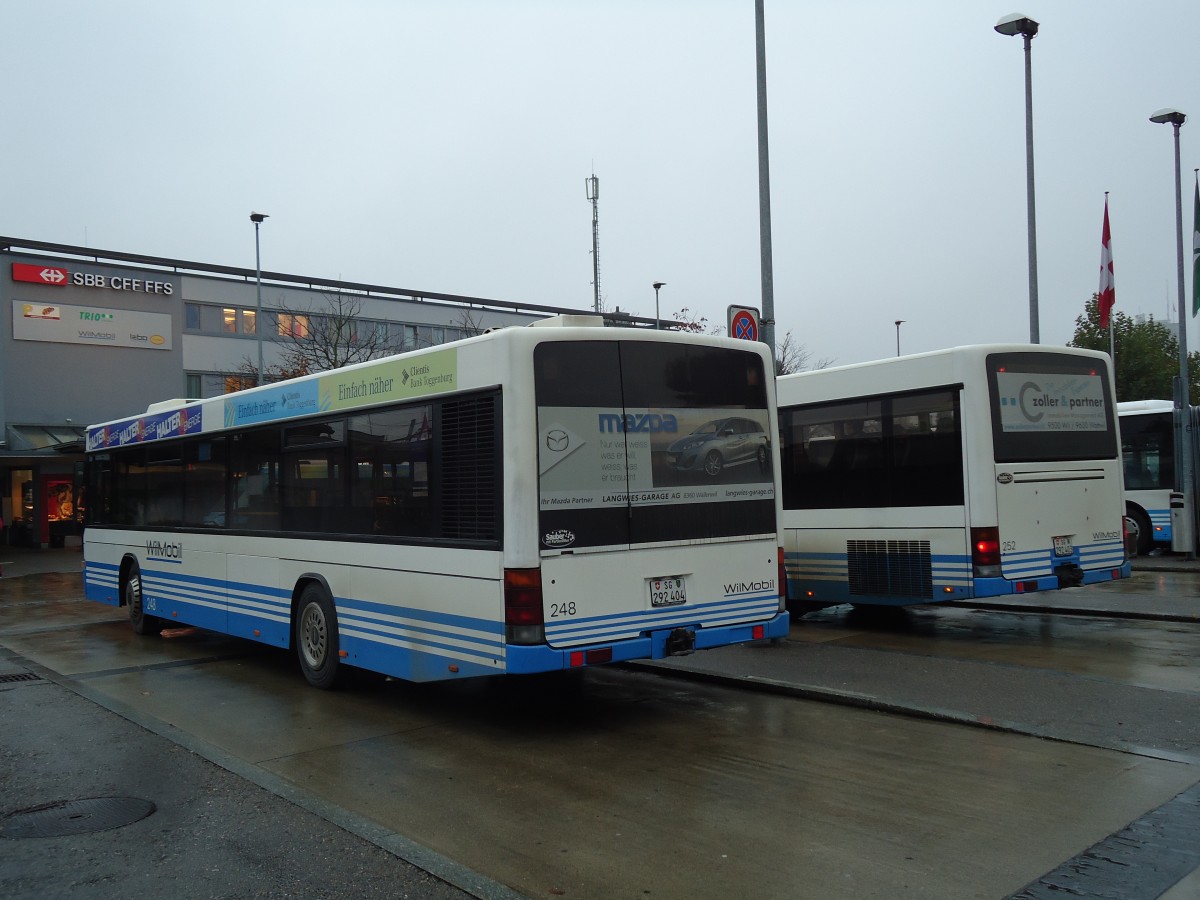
(444, 146)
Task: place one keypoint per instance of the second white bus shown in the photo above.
(1148, 449)
(959, 474)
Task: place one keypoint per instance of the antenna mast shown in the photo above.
(593, 194)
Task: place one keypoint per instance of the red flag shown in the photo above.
(1108, 290)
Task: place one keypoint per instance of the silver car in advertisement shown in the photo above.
(719, 444)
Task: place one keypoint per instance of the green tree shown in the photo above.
(1147, 354)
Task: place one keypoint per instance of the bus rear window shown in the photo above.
(649, 441)
(1050, 407)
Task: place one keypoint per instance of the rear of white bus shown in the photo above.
(1048, 512)
(657, 503)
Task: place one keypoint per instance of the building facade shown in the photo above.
(88, 336)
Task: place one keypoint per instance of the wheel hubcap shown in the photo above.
(314, 637)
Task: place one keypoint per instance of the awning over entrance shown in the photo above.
(45, 438)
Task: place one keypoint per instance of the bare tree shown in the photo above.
(334, 335)
(791, 356)
(468, 323)
(318, 340)
(686, 320)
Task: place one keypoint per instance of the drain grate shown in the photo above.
(75, 817)
(19, 676)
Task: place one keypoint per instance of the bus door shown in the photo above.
(653, 451)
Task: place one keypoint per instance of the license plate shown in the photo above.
(1062, 546)
(666, 591)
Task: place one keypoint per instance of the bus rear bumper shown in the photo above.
(521, 660)
(999, 587)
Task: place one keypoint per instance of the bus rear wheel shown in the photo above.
(317, 637)
(142, 622)
(1140, 528)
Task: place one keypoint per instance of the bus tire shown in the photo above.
(141, 621)
(317, 637)
(713, 463)
(1139, 524)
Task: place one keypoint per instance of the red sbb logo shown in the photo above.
(51, 275)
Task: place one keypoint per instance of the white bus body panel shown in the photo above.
(724, 583)
(1039, 503)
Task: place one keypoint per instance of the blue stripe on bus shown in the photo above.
(1160, 525)
(422, 645)
(100, 583)
(827, 575)
(540, 658)
(622, 625)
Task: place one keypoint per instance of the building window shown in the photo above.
(291, 325)
(236, 382)
(235, 320)
(210, 320)
(193, 385)
(191, 312)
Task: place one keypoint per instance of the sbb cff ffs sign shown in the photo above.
(743, 323)
(57, 276)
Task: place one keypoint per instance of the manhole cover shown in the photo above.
(14, 677)
(75, 817)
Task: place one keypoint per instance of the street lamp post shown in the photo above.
(899, 322)
(1175, 118)
(1027, 28)
(766, 263)
(257, 219)
(657, 322)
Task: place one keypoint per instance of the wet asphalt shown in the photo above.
(226, 837)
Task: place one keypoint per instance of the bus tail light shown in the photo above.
(783, 584)
(985, 552)
(523, 617)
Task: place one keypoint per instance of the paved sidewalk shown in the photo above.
(18, 561)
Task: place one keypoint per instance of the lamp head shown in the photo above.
(1017, 24)
(256, 217)
(658, 284)
(1168, 116)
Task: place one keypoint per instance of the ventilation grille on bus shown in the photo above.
(890, 568)
(470, 507)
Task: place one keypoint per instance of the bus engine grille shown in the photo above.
(890, 568)
(469, 463)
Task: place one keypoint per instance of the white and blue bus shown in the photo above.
(1149, 447)
(959, 474)
(528, 500)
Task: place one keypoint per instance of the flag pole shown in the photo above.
(1196, 247)
(1112, 341)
